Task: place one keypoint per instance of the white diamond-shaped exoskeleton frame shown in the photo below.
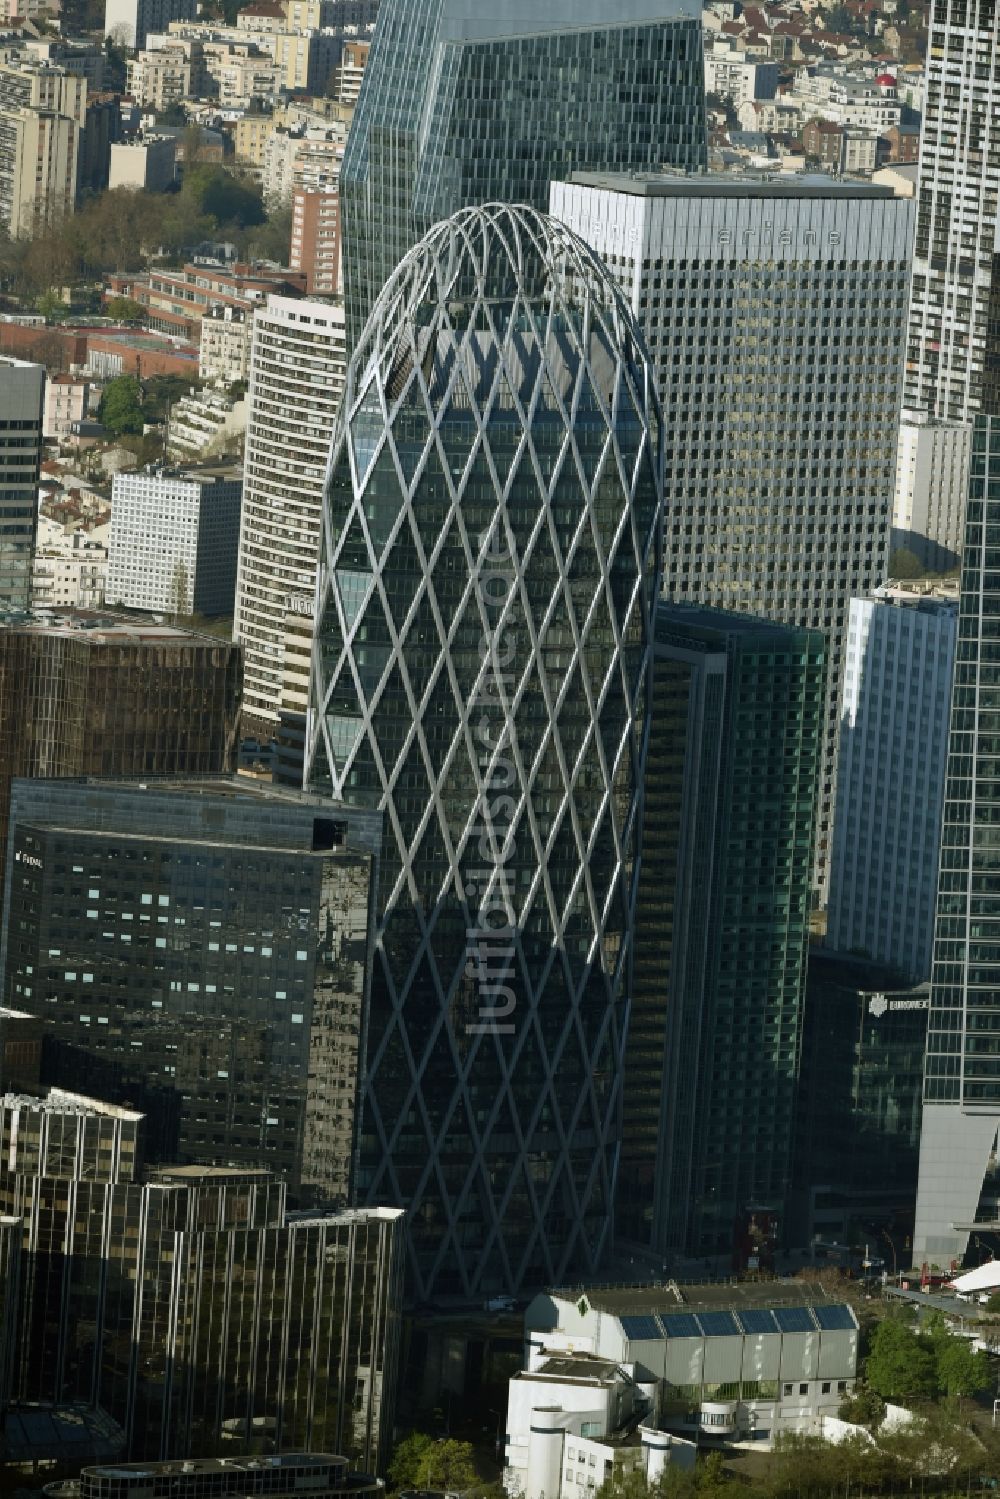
(488, 574)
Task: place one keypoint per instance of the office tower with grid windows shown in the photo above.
(775, 314)
(297, 367)
(488, 573)
(466, 104)
(890, 780)
(184, 1301)
(956, 284)
(174, 541)
(22, 390)
(200, 948)
(722, 926)
(959, 1185)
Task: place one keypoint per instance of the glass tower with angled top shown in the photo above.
(488, 569)
(465, 102)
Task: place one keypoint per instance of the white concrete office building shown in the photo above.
(932, 476)
(890, 780)
(174, 541)
(298, 364)
(775, 312)
(730, 1361)
(576, 1422)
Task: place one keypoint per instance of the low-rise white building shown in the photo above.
(146, 165)
(65, 403)
(932, 475)
(732, 1361)
(174, 541)
(224, 349)
(576, 1421)
(737, 77)
(70, 576)
(204, 424)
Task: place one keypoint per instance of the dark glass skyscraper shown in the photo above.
(959, 1153)
(468, 104)
(200, 948)
(487, 582)
(721, 927)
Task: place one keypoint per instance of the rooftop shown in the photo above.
(220, 1465)
(210, 1173)
(679, 616)
(588, 1366)
(728, 185)
(58, 1101)
(102, 628)
(708, 1296)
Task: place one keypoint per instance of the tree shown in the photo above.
(223, 197)
(179, 591)
(125, 309)
(960, 1371)
(406, 1458)
(905, 564)
(993, 1305)
(863, 1407)
(164, 391)
(446, 1464)
(50, 304)
(900, 1365)
(121, 405)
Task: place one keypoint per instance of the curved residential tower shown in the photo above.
(488, 572)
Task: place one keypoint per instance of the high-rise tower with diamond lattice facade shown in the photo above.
(488, 571)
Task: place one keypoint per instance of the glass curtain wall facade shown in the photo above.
(721, 928)
(487, 580)
(188, 1307)
(201, 949)
(958, 1149)
(95, 695)
(464, 105)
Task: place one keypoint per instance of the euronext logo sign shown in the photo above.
(883, 1004)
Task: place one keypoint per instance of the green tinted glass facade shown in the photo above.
(963, 1042)
(453, 112)
(722, 926)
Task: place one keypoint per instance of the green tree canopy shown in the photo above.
(125, 309)
(223, 197)
(863, 1407)
(446, 1465)
(405, 1460)
(960, 1371)
(900, 1365)
(121, 405)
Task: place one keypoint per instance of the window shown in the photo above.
(786, 1389)
(826, 1387)
(803, 1389)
